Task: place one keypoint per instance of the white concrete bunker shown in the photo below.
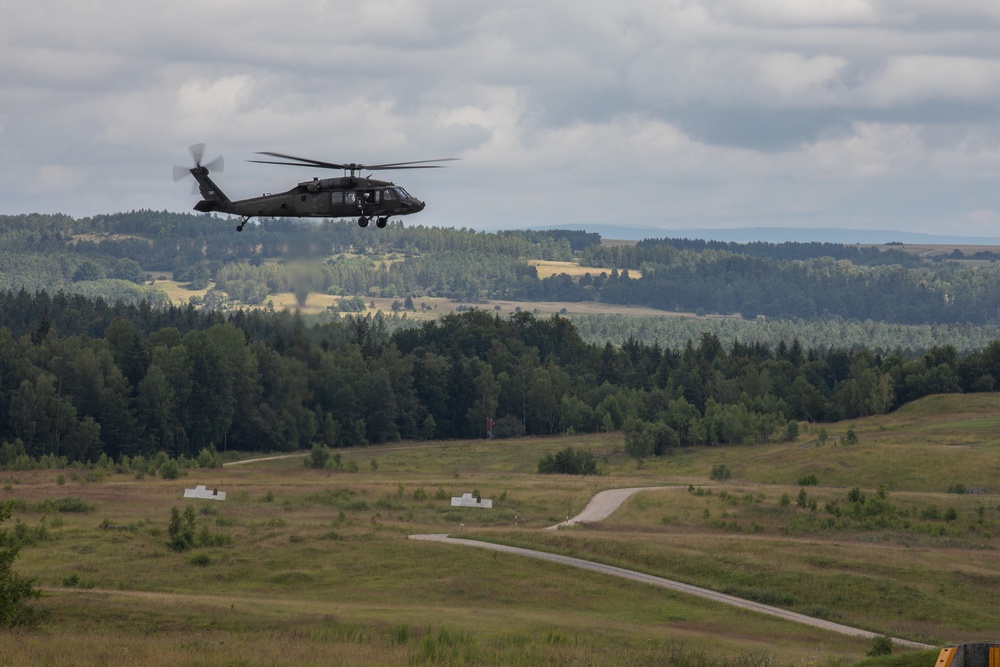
(468, 500)
(201, 492)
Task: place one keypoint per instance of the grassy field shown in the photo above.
(302, 566)
(317, 303)
(547, 268)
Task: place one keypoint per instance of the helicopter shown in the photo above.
(344, 197)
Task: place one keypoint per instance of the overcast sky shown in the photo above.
(664, 114)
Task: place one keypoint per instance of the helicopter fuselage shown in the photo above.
(344, 197)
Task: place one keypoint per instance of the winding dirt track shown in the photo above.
(602, 506)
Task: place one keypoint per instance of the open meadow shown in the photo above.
(427, 308)
(306, 566)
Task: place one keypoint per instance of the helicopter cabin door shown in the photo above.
(311, 204)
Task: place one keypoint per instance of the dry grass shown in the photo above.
(318, 567)
(547, 268)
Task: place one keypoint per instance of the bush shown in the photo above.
(880, 646)
(791, 430)
(319, 457)
(808, 480)
(200, 559)
(169, 470)
(720, 472)
(209, 457)
(568, 461)
(181, 529)
(15, 590)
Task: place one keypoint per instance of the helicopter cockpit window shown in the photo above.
(388, 195)
(403, 194)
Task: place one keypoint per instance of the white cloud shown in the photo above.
(798, 79)
(872, 149)
(925, 78)
(795, 12)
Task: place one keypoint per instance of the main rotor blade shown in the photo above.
(351, 166)
(300, 161)
(403, 165)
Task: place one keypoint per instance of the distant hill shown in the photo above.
(784, 234)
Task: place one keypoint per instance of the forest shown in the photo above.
(95, 359)
(80, 378)
(112, 255)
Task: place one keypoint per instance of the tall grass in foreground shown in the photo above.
(332, 644)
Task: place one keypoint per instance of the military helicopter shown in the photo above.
(345, 197)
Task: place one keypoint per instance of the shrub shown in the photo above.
(880, 646)
(802, 500)
(15, 590)
(180, 529)
(72, 504)
(209, 458)
(808, 480)
(318, 457)
(720, 472)
(169, 470)
(200, 559)
(568, 461)
(791, 430)
(930, 513)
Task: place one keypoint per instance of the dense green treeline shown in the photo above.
(79, 378)
(660, 251)
(673, 332)
(718, 281)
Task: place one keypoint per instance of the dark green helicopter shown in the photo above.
(348, 196)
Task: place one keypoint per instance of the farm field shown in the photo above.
(304, 566)
(547, 268)
(318, 303)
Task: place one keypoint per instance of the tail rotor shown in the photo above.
(198, 153)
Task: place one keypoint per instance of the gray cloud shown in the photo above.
(670, 114)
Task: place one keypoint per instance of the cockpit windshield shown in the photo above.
(403, 194)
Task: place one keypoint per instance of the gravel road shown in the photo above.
(603, 505)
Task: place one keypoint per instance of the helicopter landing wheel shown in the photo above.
(239, 228)
(363, 221)
(381, 223)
